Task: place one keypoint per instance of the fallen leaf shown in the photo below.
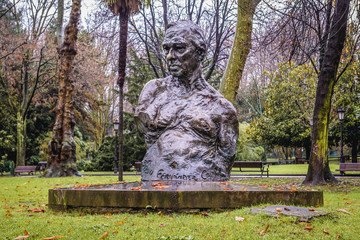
(279, 209)
(104, 235)
(228, 214)
(307, 227)
(26, 232)
(20, 210)
(326, 232)
(115, 231)
(293, 190)
(54, 237)
(344, 211)
(21, 237)
(264, 231)
(243, 189)
(69, 230)
(205, 214)
(223, 183)
(36, 210)
(278, 190)
(106, 217)
(287, 209)
(239, 219)
(29, 215)
(162, 225)
(227, 189)
(338, 236)
(311, 210)
(120, 223)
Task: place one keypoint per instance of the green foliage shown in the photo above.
(134, 147)
(288, 108)
(245, 149)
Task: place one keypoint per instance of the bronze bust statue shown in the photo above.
(190, 128)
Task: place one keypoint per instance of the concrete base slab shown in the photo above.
(303, 214)
(175, 195)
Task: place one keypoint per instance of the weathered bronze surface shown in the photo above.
(190, 128)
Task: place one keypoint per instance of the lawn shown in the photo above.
(23, 208)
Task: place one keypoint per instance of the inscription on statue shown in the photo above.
(190, 129)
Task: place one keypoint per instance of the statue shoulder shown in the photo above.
(152, 87)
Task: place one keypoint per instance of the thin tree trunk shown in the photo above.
(20, 143)
(354, 149)
(59, 24)
(124, 19)
(319, 171)
(62, 147)
(240, 50)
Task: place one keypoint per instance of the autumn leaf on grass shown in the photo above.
(239, 219)
(106, 217)
(54, 237)
(264, 231)
(23, 237)
(115, 231)
(162, 225)
(307, 227)
(104, 235)
(338, 236)
(344, 211)
(205, 214)
(120, 223)
(326, 232)
(36, 210)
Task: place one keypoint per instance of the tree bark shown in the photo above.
(319, 171)
(59, 24)
(20, 139)
(62, 147)
(124, 20)
(354, 149)
(241, 47)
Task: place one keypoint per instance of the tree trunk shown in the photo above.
(124, 19)
(59, 24)
(319, 171)
(20, 143)
(240, 50)
(354, 149)
(62, 147)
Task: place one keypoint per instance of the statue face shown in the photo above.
(181, 56)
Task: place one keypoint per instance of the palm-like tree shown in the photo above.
(123, 8)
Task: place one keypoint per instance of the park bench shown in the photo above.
(255, 167)
(138, 167)
(28, 169)
(348, 167)
(301, 161)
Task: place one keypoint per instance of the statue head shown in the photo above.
(184, 46)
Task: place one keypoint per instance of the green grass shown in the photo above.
(293, 169)
(20, 194)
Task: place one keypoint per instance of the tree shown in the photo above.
(27, 61)
(62, 147)
(288, 108)
(240, 50)
(123, 8)
(319, 171)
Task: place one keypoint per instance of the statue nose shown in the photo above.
(170, 55)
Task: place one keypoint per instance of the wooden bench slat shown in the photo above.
(348, 167)
(251, 164)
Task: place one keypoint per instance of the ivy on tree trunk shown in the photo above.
(241, 47)
(319, 171)
(62, 147)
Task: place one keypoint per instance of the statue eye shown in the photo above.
(179, 48)
(166, 49)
